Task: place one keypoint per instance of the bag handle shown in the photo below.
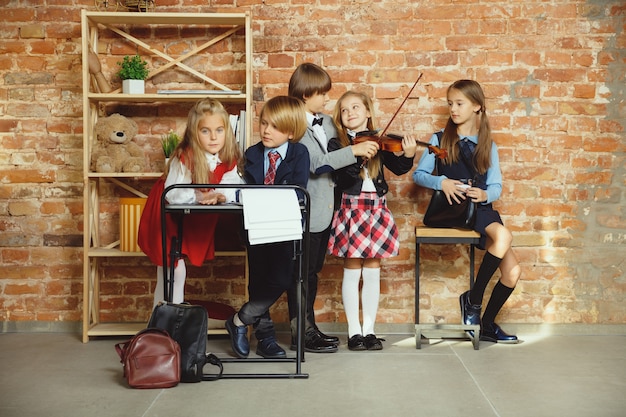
(213, 360)
(121, 347)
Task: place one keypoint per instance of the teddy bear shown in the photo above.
(114, 150)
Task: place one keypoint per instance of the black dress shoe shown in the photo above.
(373, 343)
(314, 343)
(270, 349)
(326, 338)
(238, 338)
(494, 333)
(470, 313)
(357, 342)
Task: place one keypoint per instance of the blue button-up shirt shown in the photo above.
(423, 173)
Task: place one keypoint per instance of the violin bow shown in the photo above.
(401, 104)
(395, 114)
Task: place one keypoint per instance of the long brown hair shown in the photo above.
(482, 155)
(374, 165)
(190, 151)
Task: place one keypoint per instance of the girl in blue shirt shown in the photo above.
(468, 131)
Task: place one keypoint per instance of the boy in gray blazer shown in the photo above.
(311, 84)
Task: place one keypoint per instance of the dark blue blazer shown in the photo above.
(293, 170)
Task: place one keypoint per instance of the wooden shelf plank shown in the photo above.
(129, 329)
(162, 98)
(155, 18)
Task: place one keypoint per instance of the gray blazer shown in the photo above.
(323, 163)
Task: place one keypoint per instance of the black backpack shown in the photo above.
(188, 325)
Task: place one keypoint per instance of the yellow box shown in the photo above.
(130, 215)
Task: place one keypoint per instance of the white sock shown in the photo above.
(158, 291)
(350, 296)
(180, 274)
(237, 320)
(370, 294)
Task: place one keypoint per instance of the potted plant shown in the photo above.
(169, 143)
(133, 73)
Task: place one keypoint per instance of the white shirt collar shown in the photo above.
(212, 160)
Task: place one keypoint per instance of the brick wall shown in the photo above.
(553, 72)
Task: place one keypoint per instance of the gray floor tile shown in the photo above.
(52, 374)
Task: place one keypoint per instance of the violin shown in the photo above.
(393, 143)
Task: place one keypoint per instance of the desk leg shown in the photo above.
(417, 282)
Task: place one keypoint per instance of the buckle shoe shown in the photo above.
(270, 349)
(373, 343)
(494, 333)
(238, 338)
(357, 342)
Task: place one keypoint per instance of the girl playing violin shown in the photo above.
(363, 230)
(468, 131)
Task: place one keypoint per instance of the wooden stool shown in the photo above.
(433, 235)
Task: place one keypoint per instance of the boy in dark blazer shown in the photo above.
(277, 159)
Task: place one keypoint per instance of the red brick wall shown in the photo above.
(554, 76)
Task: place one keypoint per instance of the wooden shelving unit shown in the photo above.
(126, 25)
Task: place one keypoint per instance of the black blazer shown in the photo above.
(293, 170)
(349, 181)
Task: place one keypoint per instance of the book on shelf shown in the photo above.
(238, 124)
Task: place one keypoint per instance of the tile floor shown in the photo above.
(54, 374)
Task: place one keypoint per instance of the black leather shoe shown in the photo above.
(494, 333)
(238, 338)
(314, 343)
(270, 349)
(357, 342)
(326, 338)
(470, 313)
(373, 343)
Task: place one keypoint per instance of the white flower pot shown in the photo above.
(133, 86)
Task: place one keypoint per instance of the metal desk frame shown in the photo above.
(302, 258)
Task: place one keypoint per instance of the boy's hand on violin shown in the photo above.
(209, 197)
(409, 146)
(366, 149)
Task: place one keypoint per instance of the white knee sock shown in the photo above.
(158, 291)
(180, 274)
(350, 296)
(370, 294)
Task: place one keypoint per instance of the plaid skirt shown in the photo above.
(363, 227)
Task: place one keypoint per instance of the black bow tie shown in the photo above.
(317, 121)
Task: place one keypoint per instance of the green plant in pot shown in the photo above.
(169, 142)
(133, 73)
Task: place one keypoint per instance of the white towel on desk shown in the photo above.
(271, 215)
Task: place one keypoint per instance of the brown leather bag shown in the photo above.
(151, 359)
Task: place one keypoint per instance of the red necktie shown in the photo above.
(271, 170)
